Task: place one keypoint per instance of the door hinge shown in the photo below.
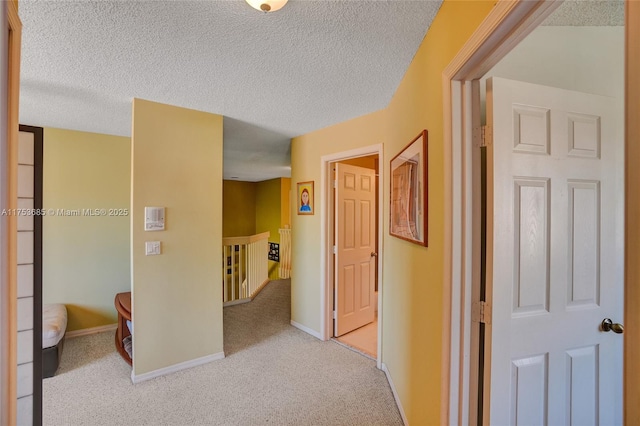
(481, 312)
(335, 250)
(482, 136)
(334, 315)
(486, 136)
(335, 183)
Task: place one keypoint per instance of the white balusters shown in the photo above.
(285, 253)
(246, 268)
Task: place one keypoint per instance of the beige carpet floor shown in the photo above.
(273, 374)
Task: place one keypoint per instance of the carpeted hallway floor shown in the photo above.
(273, 374)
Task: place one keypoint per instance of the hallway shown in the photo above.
(273, 373)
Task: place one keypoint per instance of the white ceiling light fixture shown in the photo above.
(267, 5)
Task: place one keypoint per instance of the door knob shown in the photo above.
(374, 254)
(608, 325)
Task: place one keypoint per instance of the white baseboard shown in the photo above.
(306, 330)
(175, 368)
(247, 299)
(395, 394)
(92, 330)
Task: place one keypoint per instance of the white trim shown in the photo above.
(631, 390)
(175, 368)
(395, 394)
(325, 218)
(306, 330)
(352, 153)
(260, 287)
(237, 241)
(247, 299)
(504, 27)
(8, 225)
(237, 302)
(91, 330)
(5, 331)
(452, 258)
(326, 297)
(473, 249)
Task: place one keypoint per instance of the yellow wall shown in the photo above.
(412, 275)
(306, 150)
(268, 203)
(239, 208)
(86, 259)
(177, 296)
(411, 355)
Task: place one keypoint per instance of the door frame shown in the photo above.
(38, 151)
(506, 25)
(343, 323)
(326, 230)
(631, 388)
(8, 226)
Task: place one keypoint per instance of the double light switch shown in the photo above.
(152, 248)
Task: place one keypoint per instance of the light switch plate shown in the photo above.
(152, 248)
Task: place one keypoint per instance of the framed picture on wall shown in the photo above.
(305, 197)
(274, 252)
(408, 209)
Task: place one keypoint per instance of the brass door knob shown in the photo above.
(608, 325)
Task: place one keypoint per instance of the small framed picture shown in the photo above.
(305, 197)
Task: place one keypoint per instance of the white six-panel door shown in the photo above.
(355, 244)
(555, 255)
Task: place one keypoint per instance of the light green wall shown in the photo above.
(177, 296)
(239, 208)
(412, 280)
(268, 215)
(86, 259)
(255, 207)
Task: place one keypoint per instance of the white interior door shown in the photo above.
(355, 247)
(555, 255)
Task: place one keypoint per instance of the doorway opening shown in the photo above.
(504, 29)
(29, 266)
(565, 186)
(359, 334)
(352, 249)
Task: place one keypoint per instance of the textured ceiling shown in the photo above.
(588, 13)
(273, 76)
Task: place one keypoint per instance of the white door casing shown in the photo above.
(355, 244)
(555, 255)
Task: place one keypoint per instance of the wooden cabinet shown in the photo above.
(123, 306)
